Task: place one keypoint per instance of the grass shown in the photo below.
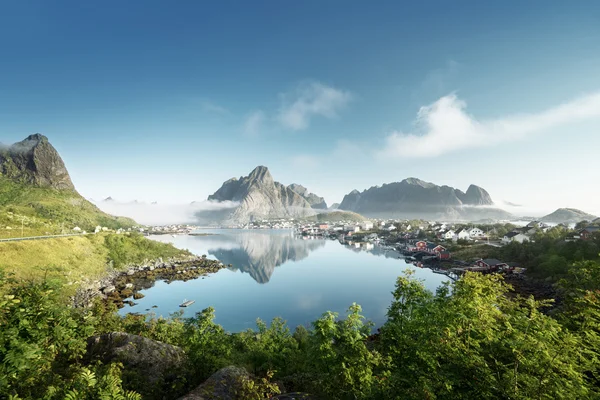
(337, 216)
(68, 260)
(41, 211)
(472, 252)
(73, 260)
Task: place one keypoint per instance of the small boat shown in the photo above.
(187, 303)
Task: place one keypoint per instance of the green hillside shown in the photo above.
(42, 210)
(337, 216)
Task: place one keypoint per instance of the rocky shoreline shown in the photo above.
(119, 286)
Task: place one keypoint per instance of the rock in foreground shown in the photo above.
(156, 364)
(226, 384)
(223, 385)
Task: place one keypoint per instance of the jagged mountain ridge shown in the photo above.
(315, 201)
(414, 198)
(35, 161)
(259, 197)
(568, 216)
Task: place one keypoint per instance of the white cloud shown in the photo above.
(309, 100)
(210, 107)
(253, 123)
(445, 126)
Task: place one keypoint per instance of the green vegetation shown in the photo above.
(31, 211)
(337, 216)
(72, 259)
(467, 340)
(134, 249)
(549, 255)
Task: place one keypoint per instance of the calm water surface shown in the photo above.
(274, 274)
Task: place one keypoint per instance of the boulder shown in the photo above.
(221, 385)
(147, 363)
(225, 384)
(108, 289)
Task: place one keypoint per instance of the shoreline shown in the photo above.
(117, 286)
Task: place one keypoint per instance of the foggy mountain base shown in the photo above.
(164, 214)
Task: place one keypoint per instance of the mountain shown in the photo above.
(35, 161)
(255, 197)
(414, 198)
(475, 196)
(567, 216)
(315, 201)
(334, 206)
(36, 192)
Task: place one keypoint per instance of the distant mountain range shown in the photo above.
(258, 196)
(414, 198)
(34, 179)
(568, 216)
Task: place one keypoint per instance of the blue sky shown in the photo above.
(163, 101)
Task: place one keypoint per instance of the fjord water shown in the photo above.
(277, 274)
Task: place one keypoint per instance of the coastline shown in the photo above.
(117, 286)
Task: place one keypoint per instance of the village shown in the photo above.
(429, 244)
(424, 244)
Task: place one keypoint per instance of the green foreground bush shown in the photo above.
(466, 341)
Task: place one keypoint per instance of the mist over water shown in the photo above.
(164, 214)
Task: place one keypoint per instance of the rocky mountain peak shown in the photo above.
(35, 161)
(477, 196)
(261, 174)
(258, 196)
(417, 182)
(301, 190)
(315, 201)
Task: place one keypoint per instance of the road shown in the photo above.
(19, 239)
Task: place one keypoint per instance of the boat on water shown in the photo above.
(187, 303)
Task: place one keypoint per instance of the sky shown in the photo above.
(163, 101)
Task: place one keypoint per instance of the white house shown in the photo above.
(98, 229)
(476, 233)
(408, 228)
(463, 234)
(366, 225)
(450, 235)
(391, 228)
(515, 237)
(77, 229)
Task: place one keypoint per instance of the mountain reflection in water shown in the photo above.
(259, 253)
